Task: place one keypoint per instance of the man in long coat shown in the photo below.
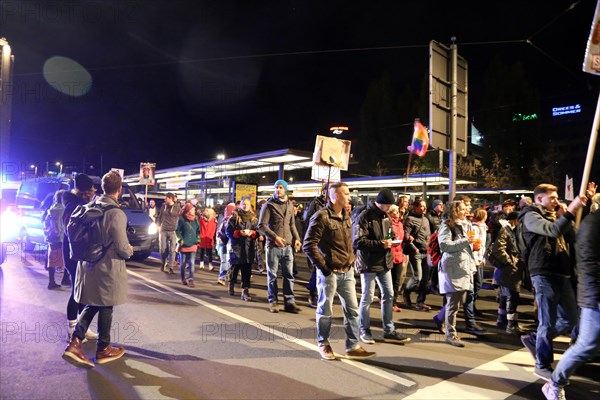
(103, 284)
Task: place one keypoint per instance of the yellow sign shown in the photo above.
(246, 190)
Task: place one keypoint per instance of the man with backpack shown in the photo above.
(83, 193)
(103, 284)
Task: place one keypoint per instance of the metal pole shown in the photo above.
(453, 122)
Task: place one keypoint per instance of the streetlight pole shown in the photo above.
(35, 168)
(60, 167)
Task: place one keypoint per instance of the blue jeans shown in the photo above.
(187, 264)
(585, 348)
(557, 314)
(167, 243)
(419, 280)
(367, 282)
(224, 256)
(344, 284)
(284, 258)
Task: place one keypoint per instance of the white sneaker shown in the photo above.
(91, 335)
(201, 264)
(553, 392)
(211, 267)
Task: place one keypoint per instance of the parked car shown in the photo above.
(35, 196)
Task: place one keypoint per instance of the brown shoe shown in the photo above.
(109, 354)
(326, 352)
(190, 282)
(359, 354)
(74, 355)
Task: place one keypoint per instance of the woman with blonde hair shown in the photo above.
(457, 265)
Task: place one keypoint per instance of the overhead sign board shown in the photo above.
(440, 99)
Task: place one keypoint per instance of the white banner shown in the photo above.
(569, 192)
(325, 173)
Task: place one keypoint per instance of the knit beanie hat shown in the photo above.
(436, 203)
(83, 183)
(385, 196)
(282, 183)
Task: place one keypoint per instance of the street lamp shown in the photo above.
(60, 166)
(34, 167)
(220, 156)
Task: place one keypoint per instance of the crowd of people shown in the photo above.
(533, 244)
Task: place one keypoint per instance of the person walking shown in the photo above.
(167, 238)
(373, 238)
(456, 268)
(83, 193)
(587, 345)
(223, 244)
(103, 284)
(188, 237)
(417, 232)
(241, 231)
(545, 225)
(276, 223)
(328, 244)
(208, 230)
(54, 233)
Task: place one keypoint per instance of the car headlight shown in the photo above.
(152, 229)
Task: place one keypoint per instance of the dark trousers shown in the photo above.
(208, 253)
(246, 274)
(104, 324)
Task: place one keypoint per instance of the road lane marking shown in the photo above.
(365, 367)
(496, 379)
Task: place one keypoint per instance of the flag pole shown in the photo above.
(408, 171)
(589, 158)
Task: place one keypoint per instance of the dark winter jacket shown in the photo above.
(508, 267)
(418, 227)
(588, 262)
(277, 219)
(370, 229)
(435, 220)
(540, 235)
(242, 247)
(70, 201)
(328, 241)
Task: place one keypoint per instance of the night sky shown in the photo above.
(177, 82)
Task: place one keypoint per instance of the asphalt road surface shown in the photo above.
(201, 343)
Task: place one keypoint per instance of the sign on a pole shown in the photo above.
(440, 99)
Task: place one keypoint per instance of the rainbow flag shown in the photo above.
(420, 140)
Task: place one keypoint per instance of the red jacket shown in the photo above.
(208, 230)
(397, 250)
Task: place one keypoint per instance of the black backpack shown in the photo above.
(85, 232)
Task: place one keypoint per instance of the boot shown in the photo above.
(51, 282)
(512, 327)
(109, 353)
(231, 291)
(501, 321)
(75, 355)
(246, 295)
